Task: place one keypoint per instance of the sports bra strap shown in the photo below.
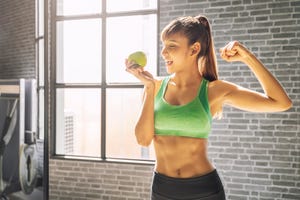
(203, 96)
(163, 87)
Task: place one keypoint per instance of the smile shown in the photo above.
(169, 62)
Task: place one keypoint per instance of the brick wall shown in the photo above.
(257, 155)
(82, 180)
(17, 39)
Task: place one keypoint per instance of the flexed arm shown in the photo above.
(274, 97)
(144, 129)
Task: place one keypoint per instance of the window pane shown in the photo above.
(41, 61)
(41, 115)
(77, 7)
(41, 17)
(78, 122)
(123, 39)
(123, 107)
(78, 53)
(127, 5)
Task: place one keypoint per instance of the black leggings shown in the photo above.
(206, 187)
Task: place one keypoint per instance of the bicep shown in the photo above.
(248, 100)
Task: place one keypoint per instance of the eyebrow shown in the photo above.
(175, 41)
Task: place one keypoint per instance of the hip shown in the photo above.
(205, 187)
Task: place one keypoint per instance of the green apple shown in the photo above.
(138, 58)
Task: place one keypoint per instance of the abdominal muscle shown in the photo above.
(181, 157)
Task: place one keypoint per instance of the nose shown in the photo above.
(163, 52)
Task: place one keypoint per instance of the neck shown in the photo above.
(187, 77)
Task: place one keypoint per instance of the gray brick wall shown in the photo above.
(17, 39)
(82, 180)
(257, 155)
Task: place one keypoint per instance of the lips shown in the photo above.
(169, 62)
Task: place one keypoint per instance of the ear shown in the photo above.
(196, 47)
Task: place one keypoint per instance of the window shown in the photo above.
(40, 65)
(96, 103)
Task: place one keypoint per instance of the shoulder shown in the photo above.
(219, 89)
(222, 86)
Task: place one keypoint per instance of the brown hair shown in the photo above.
(197, 29)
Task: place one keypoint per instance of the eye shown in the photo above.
(171, 47)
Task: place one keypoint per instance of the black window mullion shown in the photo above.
(103, 83)
(46, 104)
(53, 76)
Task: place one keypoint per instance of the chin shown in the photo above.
(169, 70)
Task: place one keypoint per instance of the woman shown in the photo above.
(177, 111)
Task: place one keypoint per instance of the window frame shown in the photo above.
(103, 85)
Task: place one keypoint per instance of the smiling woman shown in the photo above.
(255, 154)
(177, 110)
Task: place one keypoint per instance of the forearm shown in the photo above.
(272, 88)
(144, 129)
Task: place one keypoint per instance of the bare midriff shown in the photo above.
(181, 157)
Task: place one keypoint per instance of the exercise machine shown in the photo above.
(18, 128)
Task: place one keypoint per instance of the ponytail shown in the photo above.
(207, 57)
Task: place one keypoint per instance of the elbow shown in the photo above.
(286, 105)
(143, 138)
(143, 142)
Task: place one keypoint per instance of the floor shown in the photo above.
(37, 194)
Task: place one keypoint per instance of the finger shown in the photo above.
(135, 71)
(139, 69)
(226, 58)
(134, 65)
(231, 45)
(231, 48)
(241, 48)
(223, 56)
(231, 52)
(148, 74)
(127, 63)
(222, 52)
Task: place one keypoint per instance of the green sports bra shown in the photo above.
(189, 120)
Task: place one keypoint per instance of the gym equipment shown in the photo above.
(18, 126)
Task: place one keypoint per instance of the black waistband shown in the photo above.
(192, 179)
(187, 188)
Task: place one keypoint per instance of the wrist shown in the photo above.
(149, 89)
(149, 86)
(249, 58)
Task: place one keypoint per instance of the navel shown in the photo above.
(178, 172)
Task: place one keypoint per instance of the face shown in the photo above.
(176, 53)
